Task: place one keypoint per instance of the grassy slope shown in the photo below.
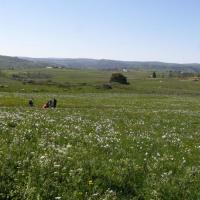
(86, 81)
(131, 142)
(97, 146)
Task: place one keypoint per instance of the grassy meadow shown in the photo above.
(65, 81)
(138, 141)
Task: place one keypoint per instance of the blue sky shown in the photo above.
(143, 30)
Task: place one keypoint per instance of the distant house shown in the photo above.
(124, 70)
(49, 67)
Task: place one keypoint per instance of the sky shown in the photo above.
(137, 30)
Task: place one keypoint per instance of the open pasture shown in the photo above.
(65, 81)
(100, 146)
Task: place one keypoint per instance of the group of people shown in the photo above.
(52, 103)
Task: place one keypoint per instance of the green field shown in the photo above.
(72, 81)
(137, 141)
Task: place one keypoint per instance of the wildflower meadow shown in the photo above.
(107, 148)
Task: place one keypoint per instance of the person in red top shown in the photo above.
(46, 105)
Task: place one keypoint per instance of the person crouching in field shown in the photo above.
(30, 103)
(54, 103)
(46, 105)
(50, 104)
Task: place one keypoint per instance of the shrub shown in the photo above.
(119, 78)
(154, 75)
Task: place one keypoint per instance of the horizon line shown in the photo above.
(108, 59)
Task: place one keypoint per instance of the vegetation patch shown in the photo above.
(119, 78)
(99, 146)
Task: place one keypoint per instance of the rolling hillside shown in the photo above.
(84, 63)
(15, 62)
(115, 64)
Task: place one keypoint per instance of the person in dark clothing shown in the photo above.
(50, 103)
(30, 102)
(54, 103)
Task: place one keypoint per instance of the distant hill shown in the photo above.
(22, 62)
(15, 62)
(115, 64)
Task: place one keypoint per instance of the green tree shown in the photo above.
(119, 78)
(154, 75)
